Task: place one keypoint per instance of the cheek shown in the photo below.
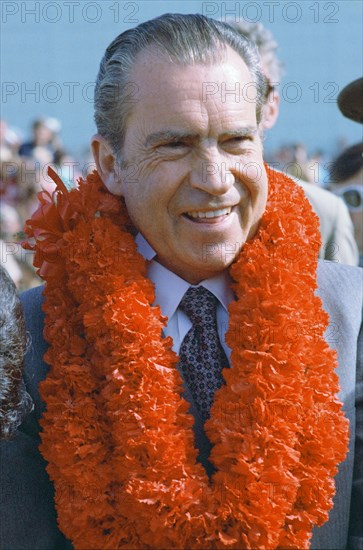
(147, 205)
(250, 167)
(254, 180)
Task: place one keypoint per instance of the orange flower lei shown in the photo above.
(117, 434)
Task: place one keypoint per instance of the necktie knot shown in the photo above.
(200, 305)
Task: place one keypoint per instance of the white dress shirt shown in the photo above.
(170, 289)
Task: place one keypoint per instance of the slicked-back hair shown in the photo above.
(181, 39)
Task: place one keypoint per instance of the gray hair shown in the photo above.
(15, 402)
(182, 39)
(266, 44)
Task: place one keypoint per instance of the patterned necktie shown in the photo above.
(202, 357)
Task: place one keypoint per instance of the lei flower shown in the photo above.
(117, 434)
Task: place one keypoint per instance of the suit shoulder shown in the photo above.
(340, 287)
(342, 275)
(319, 193)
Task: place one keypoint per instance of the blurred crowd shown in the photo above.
(295, 161)
(24, 166)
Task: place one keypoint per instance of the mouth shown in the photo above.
(208, 216)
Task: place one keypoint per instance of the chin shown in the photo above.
(214, 267)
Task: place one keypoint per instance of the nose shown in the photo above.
(210, 173)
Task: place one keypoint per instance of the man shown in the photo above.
(338, 243)
(347, 182)
(45, 141)
(117, 432)
(347, 167)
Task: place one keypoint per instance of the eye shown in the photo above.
(173, 149)
(174, 144)
(240, 139)
(238, 144)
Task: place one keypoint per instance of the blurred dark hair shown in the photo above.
(347, 164)
(15, 402)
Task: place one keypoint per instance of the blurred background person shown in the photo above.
(19, 184)
(350, 100)
(10, 141)
(346, 175)
(18, 263)
(45, 140)
(23, 174)
(346, 170)
(338, 242)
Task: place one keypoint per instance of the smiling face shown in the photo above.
(193, 177)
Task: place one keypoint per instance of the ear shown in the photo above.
(106, 164)
(270, 110)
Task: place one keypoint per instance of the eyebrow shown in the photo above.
(175, 135)
(245, 131)
(169, 135)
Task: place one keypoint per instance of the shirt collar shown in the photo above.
(144, 248)
(170, 288)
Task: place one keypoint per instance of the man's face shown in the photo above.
(271, 107)
(194, 181)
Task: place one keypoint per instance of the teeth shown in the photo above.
(210, 214)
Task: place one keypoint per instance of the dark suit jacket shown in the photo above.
(27, 515)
